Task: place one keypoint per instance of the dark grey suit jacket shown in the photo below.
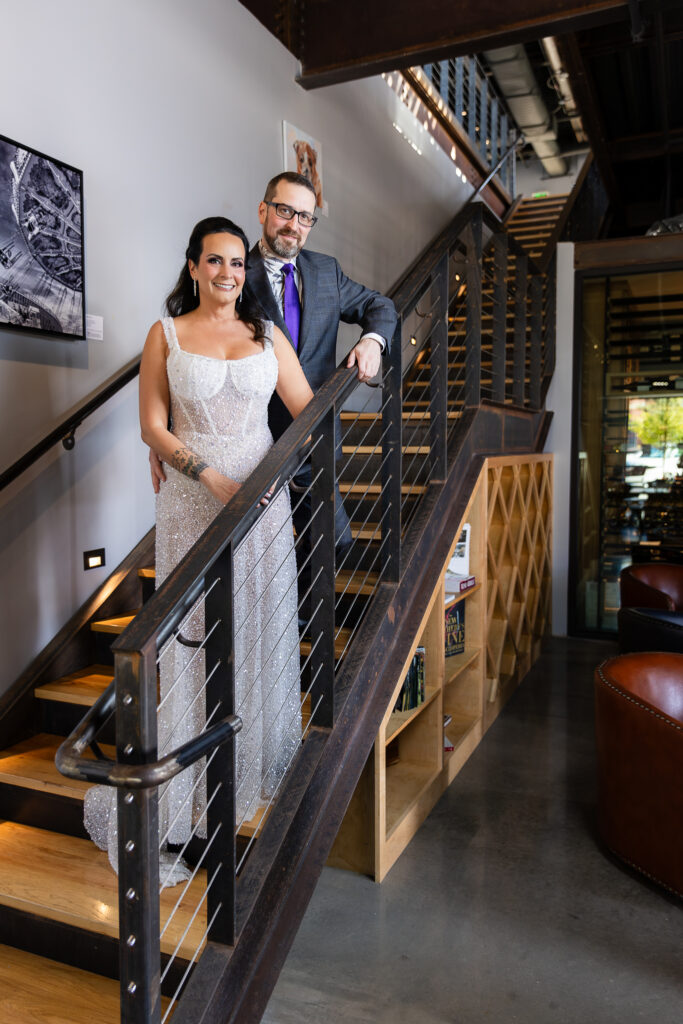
(328, 296)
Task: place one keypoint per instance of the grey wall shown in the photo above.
(173, 111)
(559, 440)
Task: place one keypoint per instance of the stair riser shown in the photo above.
(60, 719)
(368, 468)
(362, 554)
(42, 810)
(74, 946)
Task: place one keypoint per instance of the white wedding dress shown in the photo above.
(219, 410)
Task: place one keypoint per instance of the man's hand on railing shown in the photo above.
(156, 468)
(220, 486)
(367, 355)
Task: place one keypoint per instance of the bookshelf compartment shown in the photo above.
(457, 663)
(399, 720)
(419, 760)
(506, 615)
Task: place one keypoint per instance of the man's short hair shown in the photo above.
(292, 178)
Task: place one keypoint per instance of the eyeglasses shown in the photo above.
(307, 220)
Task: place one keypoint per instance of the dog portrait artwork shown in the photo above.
(303, 154)
(306, 164)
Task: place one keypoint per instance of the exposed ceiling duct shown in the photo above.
(560, 82)
(515, 79)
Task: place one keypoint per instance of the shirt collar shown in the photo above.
(274, 262)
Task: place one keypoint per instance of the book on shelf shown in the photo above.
(455, 584)
(447, 744)
(455, 629)
(412, 693)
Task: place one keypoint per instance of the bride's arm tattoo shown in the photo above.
(188, 463)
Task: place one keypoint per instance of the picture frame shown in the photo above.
(42, 264)
(304, 154)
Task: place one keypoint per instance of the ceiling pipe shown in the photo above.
(515, 79)
(560, 83)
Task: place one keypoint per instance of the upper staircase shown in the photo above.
(473, 348)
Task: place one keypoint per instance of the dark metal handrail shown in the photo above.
(104, 770)
(66, 429)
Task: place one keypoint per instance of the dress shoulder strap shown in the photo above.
(169, 332)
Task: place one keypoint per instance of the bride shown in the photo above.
(209, 369)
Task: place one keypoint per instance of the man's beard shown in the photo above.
(286, 248)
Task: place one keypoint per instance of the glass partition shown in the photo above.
(629, 435)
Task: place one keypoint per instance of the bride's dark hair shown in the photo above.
(183, 300)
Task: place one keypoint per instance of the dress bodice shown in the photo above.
(223, 398)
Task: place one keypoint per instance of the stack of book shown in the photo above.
(412, 693)
(456, 584)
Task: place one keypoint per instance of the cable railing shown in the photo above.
(226, 680)
(470, 95)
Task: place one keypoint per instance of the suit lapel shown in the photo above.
(259, 286)
(309, 289)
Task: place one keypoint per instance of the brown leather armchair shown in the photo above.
(652, 585)
(639, 733)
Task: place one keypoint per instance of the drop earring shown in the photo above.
(194, 287)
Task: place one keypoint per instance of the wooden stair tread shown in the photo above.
(366, 531)
(360, 488)
(31, 765)
(66, 879)
(356, 581)
(340, 642)
(83, 687)
(371, 449)
(34, 990)
(115, 625)
(347, 580)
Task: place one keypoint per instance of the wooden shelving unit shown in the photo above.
(506, 615)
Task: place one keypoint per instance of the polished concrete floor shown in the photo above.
(504, 907)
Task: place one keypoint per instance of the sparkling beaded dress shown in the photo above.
(219, 410)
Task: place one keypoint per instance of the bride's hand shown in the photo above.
(222, 487)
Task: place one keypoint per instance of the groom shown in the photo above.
(307, 294)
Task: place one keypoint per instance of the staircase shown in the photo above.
(532, 222)
(59, 897)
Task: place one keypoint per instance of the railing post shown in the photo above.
(519, 361)
(438, 383)
(220, 701)
(322, 569)
(536, 341)
(499, 330)
(472, 99)
(392, 454)
(459, 88)
(138, 841)
(473, 241)
(493, 133)
(484, 116)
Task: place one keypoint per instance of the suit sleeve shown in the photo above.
(374, 313)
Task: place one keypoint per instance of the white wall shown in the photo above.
(531, 177)
(559, 400)
(173, 111)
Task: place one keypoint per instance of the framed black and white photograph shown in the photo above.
(41, 243)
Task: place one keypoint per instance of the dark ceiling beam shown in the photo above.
(337, 42)
(645, 147)
(585, 94)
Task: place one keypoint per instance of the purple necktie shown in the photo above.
(292, 304)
